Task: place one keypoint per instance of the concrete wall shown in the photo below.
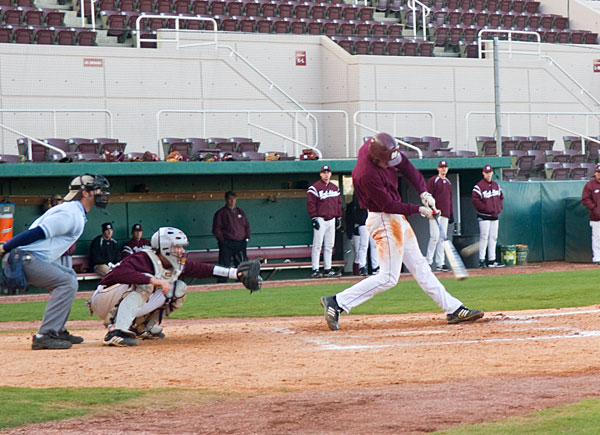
(136, 84)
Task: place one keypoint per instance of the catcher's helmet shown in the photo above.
(91, 183)
(384, 149)
(163, 241)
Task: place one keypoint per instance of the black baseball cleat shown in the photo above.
(463, 314)
(482, 264)
(73, 339)
(442, 268)
(330, 273)
(363, 271)
(49, 340)
(332, 311)
(496, 264)
(316, 274)
(120, 338)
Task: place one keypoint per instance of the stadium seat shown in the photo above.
(488, 148)
(65, 36)
(82, 145)
(252, 155)
(465, 153)
(43, 35)
(572, 142)
(10, 158)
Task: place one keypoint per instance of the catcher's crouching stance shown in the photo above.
(134, 297)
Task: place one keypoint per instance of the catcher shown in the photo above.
(135, 296)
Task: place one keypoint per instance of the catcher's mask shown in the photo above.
(91, 183)
(384, 150)
(164, 240)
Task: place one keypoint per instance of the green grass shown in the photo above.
(579, 418)
(20, 406)
(491, 293)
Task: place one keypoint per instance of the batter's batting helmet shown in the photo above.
(163, 241)
(384, 149)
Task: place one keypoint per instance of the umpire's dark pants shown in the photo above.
(231, 252)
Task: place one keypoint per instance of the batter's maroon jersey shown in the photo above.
(324, 200)
(590, 197)
(441, 189)
(133, 246)
(378, 188)
(488, 199)
(132, 270)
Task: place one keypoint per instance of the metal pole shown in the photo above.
(497, 99)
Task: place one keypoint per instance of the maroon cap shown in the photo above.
(136, 227)
(443, 164)
(488, 168)
(325, 169)
(597, 169)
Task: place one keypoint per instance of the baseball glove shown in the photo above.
(248, 273)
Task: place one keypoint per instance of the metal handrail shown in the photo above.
(252, 124)
(510, 41)
(565, 72)
(412, 4)
(92, 13)
(394, 130)
(582, 136)
(177, 30)
(33, 139)
(547, 114)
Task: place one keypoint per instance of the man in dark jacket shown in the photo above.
(590, 198)
(104, 251)
(488, 199)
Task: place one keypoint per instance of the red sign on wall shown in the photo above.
(93, 62)
(596, 65)
(301, 58)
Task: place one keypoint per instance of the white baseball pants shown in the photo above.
(488, 236)
(396, 244)
(435, 250)
(362, 243)
(325, 235)
(595, 240)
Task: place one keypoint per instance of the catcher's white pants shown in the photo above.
(488, 236)
(325, 235)
(435, 250)
(106, 299)
(362, 243)
(595, 240)
(396, 244)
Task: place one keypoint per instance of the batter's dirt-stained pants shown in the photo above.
(435, 250)
(488, 236)
(595, 240)
(396, 244)
(325, 235)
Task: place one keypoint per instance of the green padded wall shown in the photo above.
(578, 233)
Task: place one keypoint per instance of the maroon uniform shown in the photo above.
(324, 200)
(441, 189)
(488, 199)
(378, 188)
(138, 269)
(590, 198)
(134, 246)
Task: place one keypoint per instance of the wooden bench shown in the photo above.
(272, 258)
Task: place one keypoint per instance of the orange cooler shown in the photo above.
(7, 211)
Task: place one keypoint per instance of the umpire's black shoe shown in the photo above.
(463, 314)
(49, 340)
(73, 339)
(332, 311)
(120, 338)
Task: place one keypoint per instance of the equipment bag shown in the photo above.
(13, 276)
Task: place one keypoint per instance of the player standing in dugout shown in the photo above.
(375, 179)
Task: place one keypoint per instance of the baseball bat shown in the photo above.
(456, 264)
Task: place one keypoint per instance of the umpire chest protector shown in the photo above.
(160, 272)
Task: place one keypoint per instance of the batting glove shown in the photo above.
(316, 225)
(426, 212)
(428, 200)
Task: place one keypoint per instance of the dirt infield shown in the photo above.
(379, 374)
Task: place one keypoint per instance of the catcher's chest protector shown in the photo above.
(160, 272)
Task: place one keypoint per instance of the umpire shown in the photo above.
(232, 230)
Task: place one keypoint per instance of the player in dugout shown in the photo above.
(375, 179)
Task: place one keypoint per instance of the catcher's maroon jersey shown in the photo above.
(377, 188)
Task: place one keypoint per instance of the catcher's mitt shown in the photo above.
(248, 273)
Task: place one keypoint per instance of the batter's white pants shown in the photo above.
(396, 244)
(488, 236)
(435, 250)
(362, 243)
(325, 235)
(595, 240)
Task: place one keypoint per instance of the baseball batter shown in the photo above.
(375, 179)
(133, 298)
